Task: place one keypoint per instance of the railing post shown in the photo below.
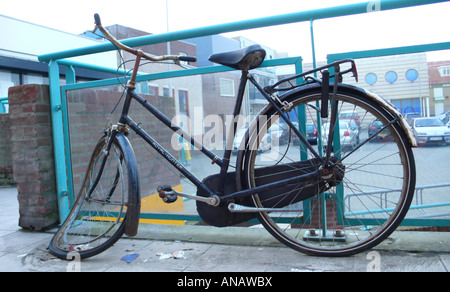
(70, 75)
(58, 141)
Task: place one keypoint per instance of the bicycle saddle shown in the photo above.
(242, 59)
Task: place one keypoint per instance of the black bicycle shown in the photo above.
(338, 198)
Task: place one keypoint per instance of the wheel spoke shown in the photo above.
(346, 212)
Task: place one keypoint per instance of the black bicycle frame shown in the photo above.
(225, 161)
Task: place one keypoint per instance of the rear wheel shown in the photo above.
(98, 217)
(365, 194)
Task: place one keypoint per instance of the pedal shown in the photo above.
(167, 194)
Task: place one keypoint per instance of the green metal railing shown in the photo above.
(68, 197)
(59, 109)
(390, 52)
(3, 102)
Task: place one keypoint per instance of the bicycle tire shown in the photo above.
(343, 231)
(101, 211)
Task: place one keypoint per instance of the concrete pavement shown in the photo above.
(210, 249)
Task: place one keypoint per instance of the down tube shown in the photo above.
(172, 160)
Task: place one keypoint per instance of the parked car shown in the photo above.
(350, 115)
(430, 131)
(376, 126)
(264, 145)
(348, 133)
(279, 132)
(444, 117)
(311, 134)
(409, 117)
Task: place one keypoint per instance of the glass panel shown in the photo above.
(419, 91)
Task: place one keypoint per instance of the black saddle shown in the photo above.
(243, 59)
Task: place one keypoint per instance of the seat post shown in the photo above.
(232, 132)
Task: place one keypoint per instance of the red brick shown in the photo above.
(32, 152)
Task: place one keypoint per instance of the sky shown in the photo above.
(418, 25)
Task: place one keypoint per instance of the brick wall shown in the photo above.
(88, 115)
(31, 147)
(331, 211)
(6, 169)
(32, 155)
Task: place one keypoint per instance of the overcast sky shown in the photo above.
(418, 25)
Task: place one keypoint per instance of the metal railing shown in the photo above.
(3, 102)
(383, 199)
(59, 109)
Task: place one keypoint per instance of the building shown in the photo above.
(20, 44)
(401, 79)
(186, 91)
(220, 89)
(439, 82)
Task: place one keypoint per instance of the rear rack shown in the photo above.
(311, 79)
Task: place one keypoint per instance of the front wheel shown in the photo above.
(362, 199)
(99, 214)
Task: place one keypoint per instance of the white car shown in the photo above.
(263, 146)
(348, 133)
(444, 117)
(430, 130)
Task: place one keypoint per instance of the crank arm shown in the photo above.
(213, 201)
(236, 208)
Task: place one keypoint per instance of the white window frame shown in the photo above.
(227, 87)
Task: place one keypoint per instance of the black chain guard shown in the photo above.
(221, 217)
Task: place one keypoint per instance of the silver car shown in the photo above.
(348, 133)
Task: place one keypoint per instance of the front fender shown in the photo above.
(134, 197)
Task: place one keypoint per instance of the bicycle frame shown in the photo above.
(224, 162)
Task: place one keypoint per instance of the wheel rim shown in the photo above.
(98, 214)
(360, 221)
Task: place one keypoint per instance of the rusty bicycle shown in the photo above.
(299, 192)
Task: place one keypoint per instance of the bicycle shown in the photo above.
(301, 196)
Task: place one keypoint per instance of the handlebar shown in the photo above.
(176, 59)
(187, 58)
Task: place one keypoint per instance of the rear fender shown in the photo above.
(346, 88)
(316, 88)
(393, 111)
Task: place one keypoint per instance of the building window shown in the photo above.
(167, 92)
(444, 71)
(183, 102)
(391, 77)
(153, 90)
(7, 80)
(407, 105)
(34, 78)
(371, 78)
(226, 87)
(412, 75)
